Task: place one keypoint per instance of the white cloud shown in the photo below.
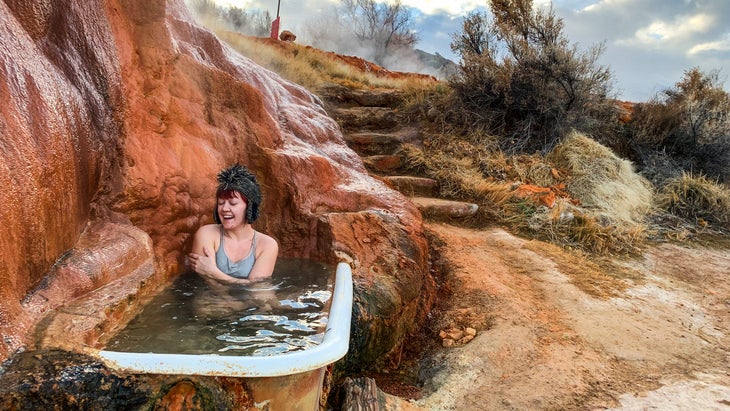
(452, 7)
(681, 29)
(711, 46)
(597, 6)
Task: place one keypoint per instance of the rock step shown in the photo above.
(374, 143)
(366, 98)
(365, 118)
(383, 164)
(443, 210)
(414, 186)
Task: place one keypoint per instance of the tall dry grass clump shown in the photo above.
(607, 205)
(603, 182)
(696, 198)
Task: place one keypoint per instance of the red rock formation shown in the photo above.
(287, 35)
(370, 67)
(59, 129)
(124, 110)
(626, 110)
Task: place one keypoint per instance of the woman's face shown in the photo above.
(232, 211)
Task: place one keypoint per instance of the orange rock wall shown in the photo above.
(124, 111)
(59, 131)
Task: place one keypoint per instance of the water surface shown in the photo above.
(286, 313)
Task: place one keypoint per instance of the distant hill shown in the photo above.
(443, 66)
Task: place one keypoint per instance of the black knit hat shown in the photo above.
(240, 179)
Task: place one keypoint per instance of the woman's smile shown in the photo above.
(231, 210)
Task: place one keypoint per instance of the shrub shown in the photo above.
(521, 79)
(689, 124)
(656, 166)
(703, 108)
(714, 161)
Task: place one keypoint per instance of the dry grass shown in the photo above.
(418, 97)
(457, 169)
(696, 198)
(600, 277)
(603, 182)
(307, 66)
(574, 227)
(313, 68)
(470, 172)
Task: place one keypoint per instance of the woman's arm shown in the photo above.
(202, 256)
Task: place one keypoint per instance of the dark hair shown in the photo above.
(229, 193)
(238, 178)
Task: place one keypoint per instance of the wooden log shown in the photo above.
(361, 394)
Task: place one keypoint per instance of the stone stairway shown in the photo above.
(373, 128)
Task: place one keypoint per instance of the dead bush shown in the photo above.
(520, 79)
(714, 161)
(657, 166)
(688, 124)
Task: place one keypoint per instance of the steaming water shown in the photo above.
(287, 313)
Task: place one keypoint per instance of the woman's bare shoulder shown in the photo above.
(266, 240)
(208, 230)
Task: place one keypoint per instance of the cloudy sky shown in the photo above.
(649, 43)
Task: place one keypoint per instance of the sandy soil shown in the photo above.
(558, 331)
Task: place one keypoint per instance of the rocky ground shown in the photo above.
(556, 331)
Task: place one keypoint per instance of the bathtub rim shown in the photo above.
(333, 347)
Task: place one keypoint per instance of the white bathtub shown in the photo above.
(290, 381)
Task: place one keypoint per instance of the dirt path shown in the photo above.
(558, 332)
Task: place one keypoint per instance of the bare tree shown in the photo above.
(260, 23)
(383, 27)
(251, 23)
(203, 7)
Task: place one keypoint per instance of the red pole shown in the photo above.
(275, 28)
(275, 23)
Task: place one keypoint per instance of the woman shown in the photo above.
(231, 251)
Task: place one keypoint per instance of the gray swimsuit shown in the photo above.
(238, 269)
